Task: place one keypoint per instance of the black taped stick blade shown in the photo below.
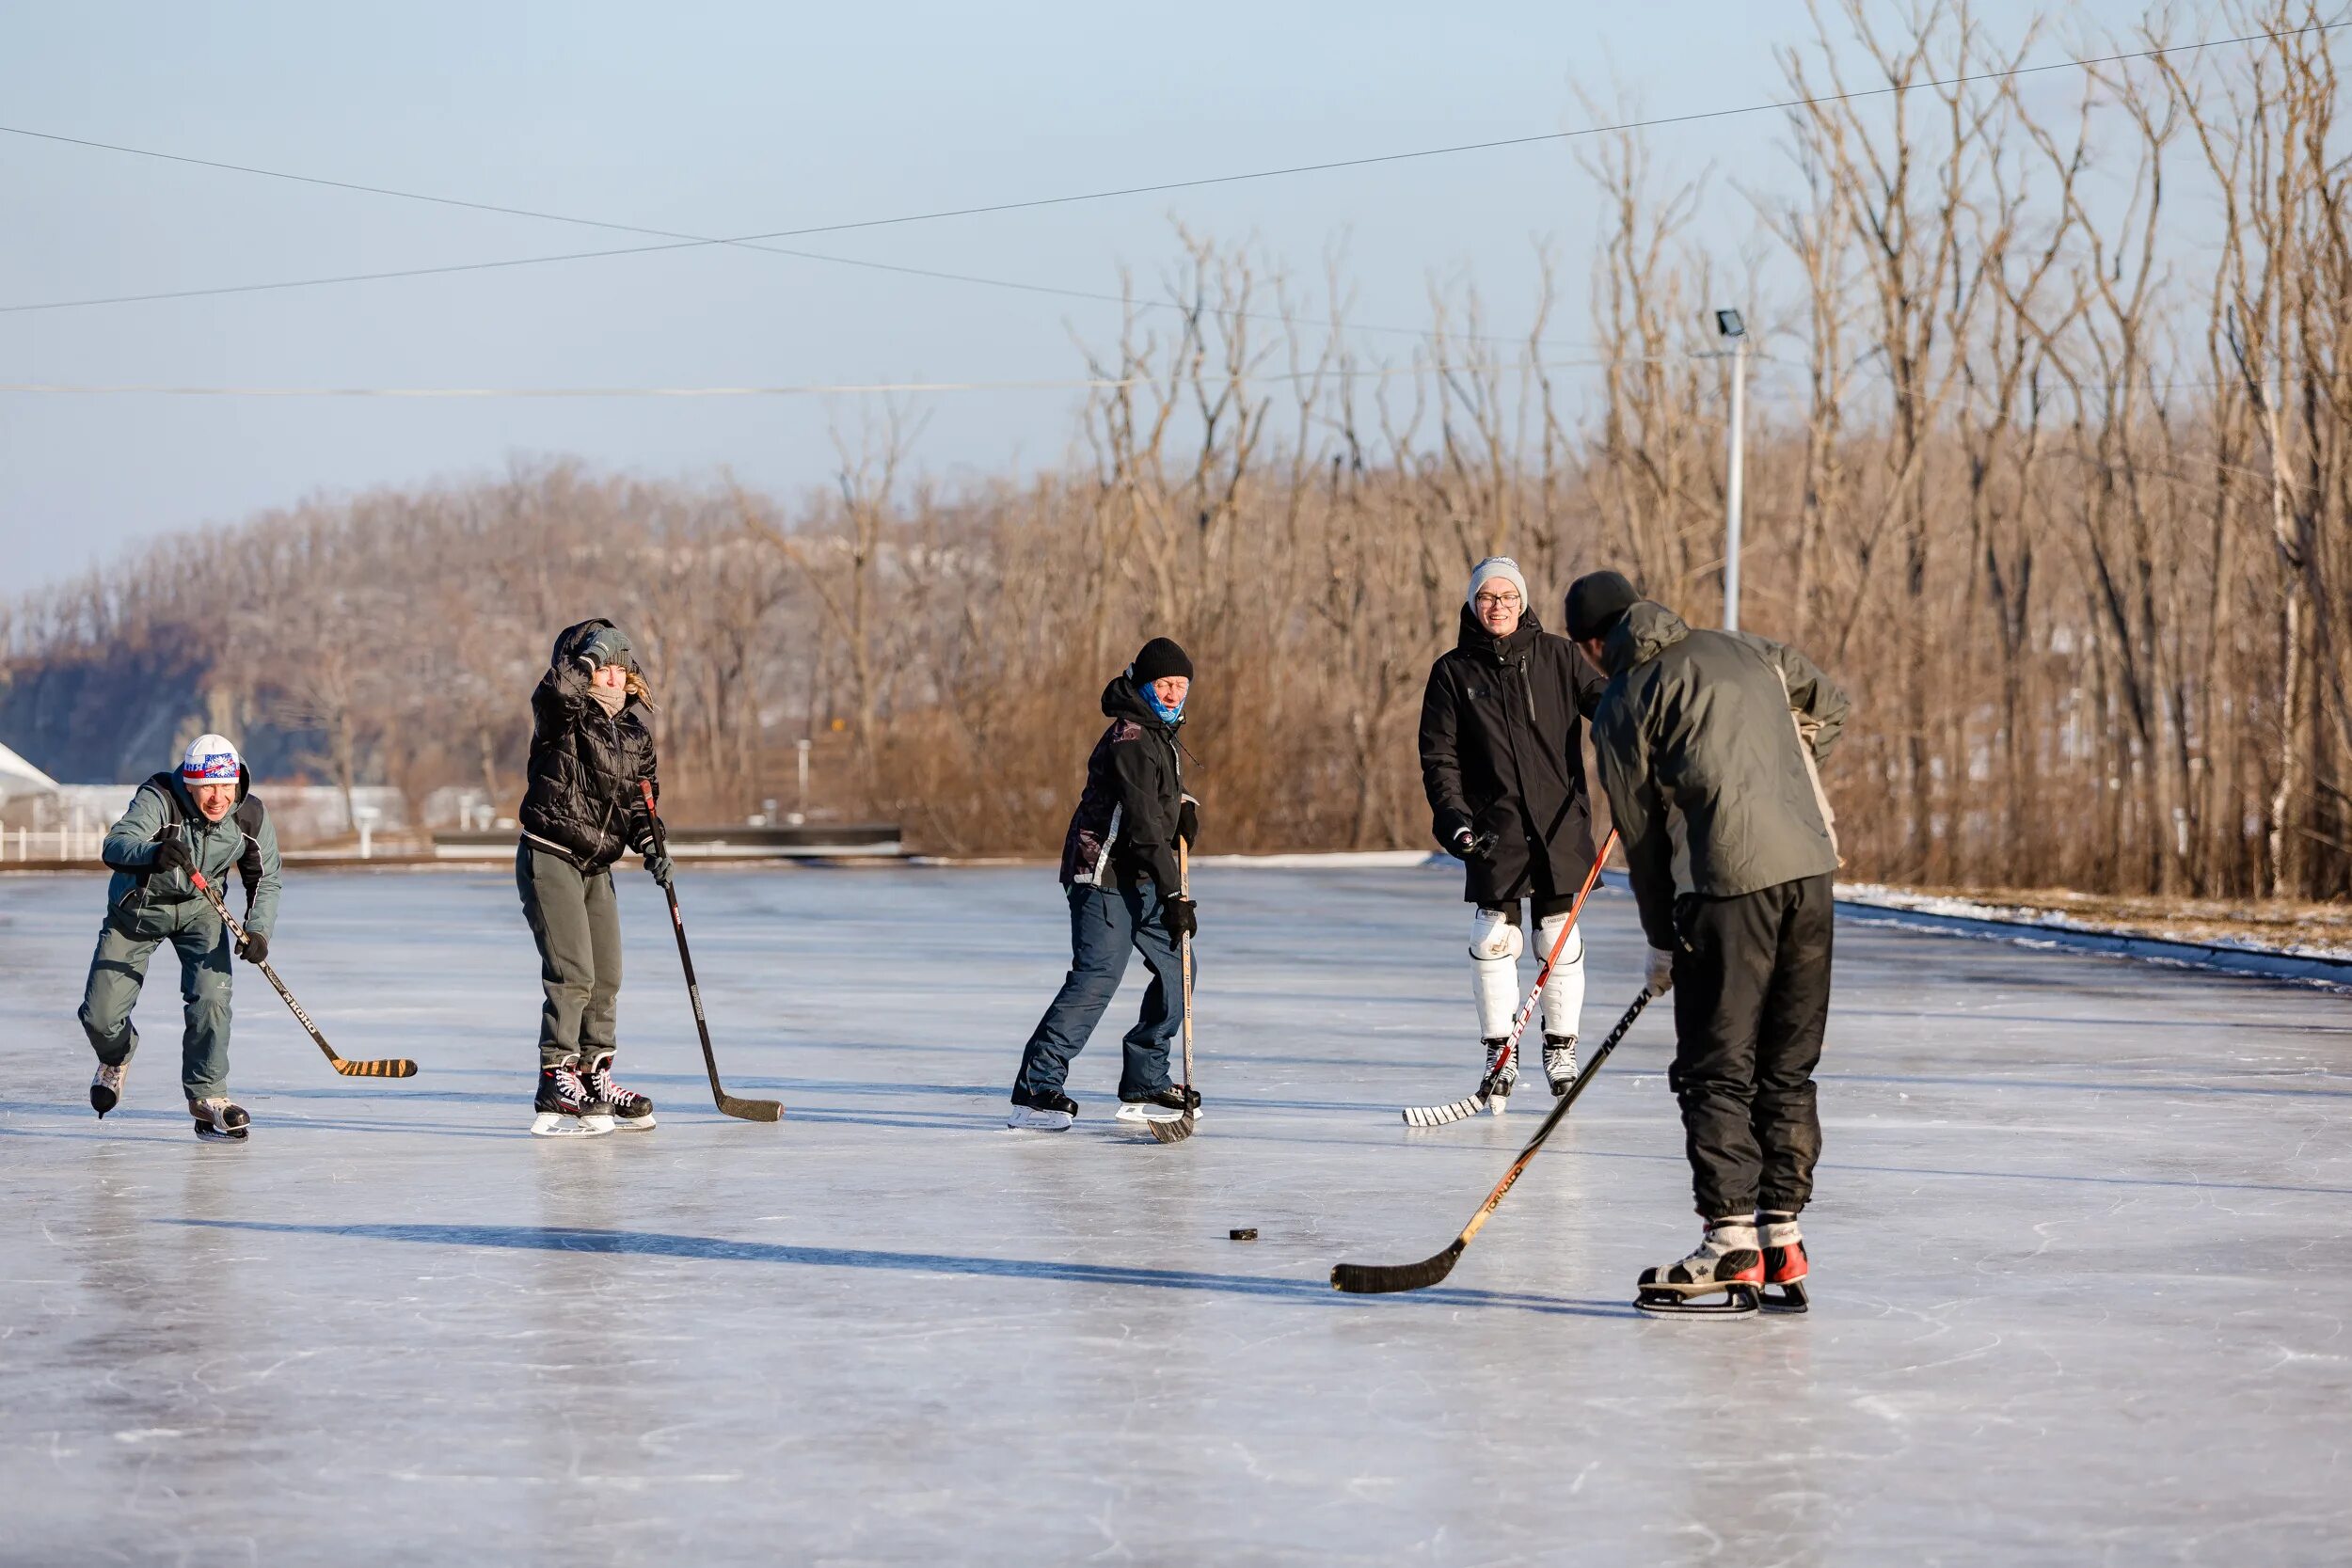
(1380, 1279)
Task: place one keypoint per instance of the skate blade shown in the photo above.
(555, 1124)
(211, 1134)
(1739, 1301)
(1128, 1112)
(641, 1124)
(1788, 1298)
(1040, 1122)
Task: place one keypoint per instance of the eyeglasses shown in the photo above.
(1504, 601)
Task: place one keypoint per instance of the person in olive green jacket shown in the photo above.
(1708, 743)
(203, 820)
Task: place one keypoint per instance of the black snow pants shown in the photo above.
(1750, 994)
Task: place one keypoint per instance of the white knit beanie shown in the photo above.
(1496, 566)
(210, 759)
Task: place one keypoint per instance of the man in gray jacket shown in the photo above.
(1708, 743)
(204, 819)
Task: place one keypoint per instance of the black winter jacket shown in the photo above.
(1125, 824)
(582, 801)
(1500, 728)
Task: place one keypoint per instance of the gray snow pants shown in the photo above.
(577, 925)
(117, 971)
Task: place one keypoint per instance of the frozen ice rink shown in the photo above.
(2080, 1248)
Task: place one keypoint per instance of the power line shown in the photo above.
(1381, 372)
(687, 241)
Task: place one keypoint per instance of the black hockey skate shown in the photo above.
(1785, 1264)
(1726, 1263)
(106, 1087)
(1050, 1111)
(218, 1120)
(631, 1112)
(564, 1108)
(1560, 1062)
(1167, 1104)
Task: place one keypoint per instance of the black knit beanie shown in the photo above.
(1160, 657)
(1596, 602)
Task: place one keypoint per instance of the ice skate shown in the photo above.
(1726, 1263)
(1560, 1062)
(1050, 1111)
(631, 1112)
(1495, 1088)
(1785, 1263)
(566, 1109)
(217, 1120)
(1169, 1104)
(106, 1087)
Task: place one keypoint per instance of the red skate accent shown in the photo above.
(1741, 1266)
(1784, 1265)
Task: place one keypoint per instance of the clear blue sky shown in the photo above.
(731, 118)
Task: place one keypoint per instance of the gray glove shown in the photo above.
(1662, 970)
(606, 646)
(659, 866)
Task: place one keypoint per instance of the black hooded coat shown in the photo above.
(582, 799)
(1502, 731)
(1125, 825)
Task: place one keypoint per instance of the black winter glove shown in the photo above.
(254, 949)
(659, 866)
(1467, 846)
(1182, 917)
(1188, 822)
(173, 855)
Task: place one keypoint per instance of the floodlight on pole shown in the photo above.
(1730, 325)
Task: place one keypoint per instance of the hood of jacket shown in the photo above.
(1648, 630)
(1475, 639)
(1122, 700)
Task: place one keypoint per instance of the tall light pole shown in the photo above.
(1728, 323)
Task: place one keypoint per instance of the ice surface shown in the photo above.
(2080, 1247)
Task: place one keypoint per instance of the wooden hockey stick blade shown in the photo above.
(380, 1066)
(1175, 1130)
(752, 1110)
(1379, 1280)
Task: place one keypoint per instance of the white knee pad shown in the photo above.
(1494, 950)
(1564, 988)
(1493, 937)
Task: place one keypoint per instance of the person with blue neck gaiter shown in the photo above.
(1119, 877)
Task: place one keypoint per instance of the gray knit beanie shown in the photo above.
(1496, 566)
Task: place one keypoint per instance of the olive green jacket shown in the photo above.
(1707, 743)
(142, 902)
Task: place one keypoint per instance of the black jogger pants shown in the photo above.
(1751, 996)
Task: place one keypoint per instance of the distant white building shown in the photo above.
(19, 779)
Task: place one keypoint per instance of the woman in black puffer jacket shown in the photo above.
(590, 754)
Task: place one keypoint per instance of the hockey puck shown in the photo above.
(1246, 1233)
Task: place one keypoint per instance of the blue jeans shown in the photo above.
(1106, 922)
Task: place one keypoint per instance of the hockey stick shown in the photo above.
(1439, 1116)
(749, 1110)
(1181, 1128)
(382, 1067)
(1372, 1279)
